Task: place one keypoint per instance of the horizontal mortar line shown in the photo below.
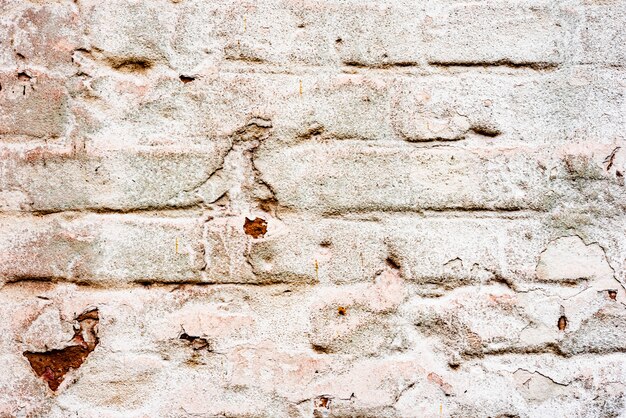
(599, 65)
(236, 67)
(108, 211)
(467, 143)
(110, 284)
(425, 68)
(292, 211)
(199, 209)
(165, 283)
(547, 352)
(531, 65)
(438, 212)
(426, 213)
(485, 213)
(505, 142)
(239, 67)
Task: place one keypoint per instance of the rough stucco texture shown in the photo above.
(298, 208)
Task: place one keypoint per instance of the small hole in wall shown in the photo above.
(341, 310)
(186, 79)
(22, 76)
(613, 294)
(562, 324)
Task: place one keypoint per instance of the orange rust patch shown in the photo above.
(53, 365)
(562, 324)
(256, 227)
(342, 311)
(322, 402)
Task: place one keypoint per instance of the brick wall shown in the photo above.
(296, 208)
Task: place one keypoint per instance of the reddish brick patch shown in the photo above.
(256, 227)
(53, 365)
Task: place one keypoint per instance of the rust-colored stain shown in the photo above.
(53, 365)
(562, 324)
(256, 227)
(322, 402)
(341, 310)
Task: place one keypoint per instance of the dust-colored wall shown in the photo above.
(298, 208)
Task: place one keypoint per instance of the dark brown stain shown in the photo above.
(609, 160)
(53, 365)
(562, 324)
(341, 310)
(392, 263)
(319, 349)
(186, 79)
(197, 343)
(130, 65)
(485, 131)
(256, 227)
(613, 294)
(23, 76)
(537, 66)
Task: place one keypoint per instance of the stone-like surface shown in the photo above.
(342, 177)
(568, 259)
(284, 208)
(57, 180)
(492, 33)
(33, 105)
(94, 248)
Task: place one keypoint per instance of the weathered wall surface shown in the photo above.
(294, 208)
